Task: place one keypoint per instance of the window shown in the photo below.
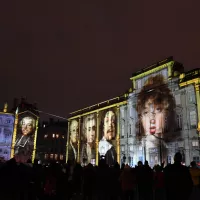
(122, 135)
(8, 121)
(178, 99)
(169, 159)
(179, 121)
(63, 137)
(193, 119)
(195, 143)
(45, 136)
(53, 135)
(61, 157)
(46, 156)
(122, 113)
(141, 158)
(122, 148)
(51, 156)
(56, 156)
(131, 111)
(191, 97)
(131, 148)
(130, 132)
(196, 159)
(140, 148)
(138, 84)
(57, 135)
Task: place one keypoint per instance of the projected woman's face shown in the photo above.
(153, 118)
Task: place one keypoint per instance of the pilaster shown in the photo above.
(67, 144)
(197, 90)
(14, 136)
(118, 135)
(35, 140)
(79, 139)
(97, 141)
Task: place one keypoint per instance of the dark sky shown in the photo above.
(66, 55)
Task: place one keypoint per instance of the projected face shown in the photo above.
(90, 126)
(154, 104)
(109, 125)
(74, 131)
(153, 118)
(27, 125)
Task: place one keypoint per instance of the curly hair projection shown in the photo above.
(157, 92)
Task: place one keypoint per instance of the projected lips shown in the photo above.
(152, 126)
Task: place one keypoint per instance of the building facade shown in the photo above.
(93, 133)
(161, 116)
(158, 117)
(51, 141)
(18, 131)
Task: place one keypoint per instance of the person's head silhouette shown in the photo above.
(178, 157)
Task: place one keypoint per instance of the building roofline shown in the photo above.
(99, 105)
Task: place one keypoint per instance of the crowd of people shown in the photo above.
(69, 181)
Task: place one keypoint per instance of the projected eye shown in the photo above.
(145, 112)
(158, 110)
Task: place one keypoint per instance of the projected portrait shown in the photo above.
(88, 153)
(153, 105)
(25, 139)
(106, 148)
(73, 140)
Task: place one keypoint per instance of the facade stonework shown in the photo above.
(157, 117)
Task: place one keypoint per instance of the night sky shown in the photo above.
(67, 55)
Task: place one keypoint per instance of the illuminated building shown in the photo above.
(159, 116)
(6, 132)
(51, 142)
(94, 132)
(18, 131)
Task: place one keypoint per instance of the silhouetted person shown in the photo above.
(89, 181)
(159, 183)
(128, 182)
(77, 178)
(103, 177)
(178, 180)
(145, 181)
(195, 173)
(115, 188)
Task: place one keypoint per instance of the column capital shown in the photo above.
(197, 86)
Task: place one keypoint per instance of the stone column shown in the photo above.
(170, 72)
(35, 140)
(67, 144)
(97, 141)
(14, 136)
(198, 106)
(118, 135)
(79, 139)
